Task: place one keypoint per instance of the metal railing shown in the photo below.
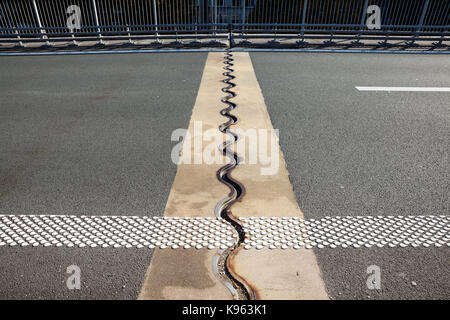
(52, 21)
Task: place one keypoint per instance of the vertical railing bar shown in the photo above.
(305, 8)
(49, 20)
(391, 13)
(290, 10)
(241, 14)
(424, 11)
(108, 8)
(288, 15)
(267, 12)
(362, 23)
(407, 18)
(422, 17)
(138, 19)
(326, 11)
(215, 17)
(15, 18)
(168, 12)
(18, 14)
(22, 14)
(133, 15)
(441, 16)
(52, 18)
(317, 16)
(348, 16)
(397, 11)
(270, 11)
(131, 9)
(11, 25)
(155, 20)
(132, 20)
(164, 14)
(62, 21)
(122, 19)
(147, 18)
(38, 20)
(19, 8)
(177, 19)
(94, 7)
(105, 16)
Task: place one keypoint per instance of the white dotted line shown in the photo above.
(350, 231)
(212, 233)
(115, 231)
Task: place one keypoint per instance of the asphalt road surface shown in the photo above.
(366, 153)
(88, 135)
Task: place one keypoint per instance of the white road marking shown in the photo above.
(406, 89)
(213, 233)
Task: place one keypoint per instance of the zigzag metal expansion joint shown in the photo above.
(222, 265)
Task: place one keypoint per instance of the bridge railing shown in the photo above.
(51, 21)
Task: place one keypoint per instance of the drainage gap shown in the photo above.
(222, 266)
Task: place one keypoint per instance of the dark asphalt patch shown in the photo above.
(88, 135)
(365, 153)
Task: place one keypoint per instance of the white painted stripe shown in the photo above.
(213, 233)
(406, 89)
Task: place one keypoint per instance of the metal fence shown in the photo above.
(51, 21)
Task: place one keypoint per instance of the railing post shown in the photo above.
(363, 19)
(243, 12)
(215, 16)
(155, 20)
(38, 20)
(243, 17)
(305, 7)
(94, 7)
(422, 17)
(302, 42)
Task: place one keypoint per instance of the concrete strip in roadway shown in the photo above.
(282, 274)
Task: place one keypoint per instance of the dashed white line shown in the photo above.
(405, 89)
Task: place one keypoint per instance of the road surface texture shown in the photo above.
(352, 153)
(88, 135)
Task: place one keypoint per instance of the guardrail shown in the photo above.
(53, 21)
